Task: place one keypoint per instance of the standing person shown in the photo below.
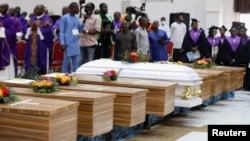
(125, 41)
(69, 37)
(221, 39)
(163, 26)
(232, 49)
(116, 24)
(56, 26)
(7, 27)
(22, 18)
(194, 45)
(213, 42)
(142, 39)
(158, 40)
(39, 40)
(177, 32)
(88, 39)
(105, 37)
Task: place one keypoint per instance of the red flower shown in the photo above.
(5, 91)
(113, 72)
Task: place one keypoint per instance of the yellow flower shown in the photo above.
(1, 93)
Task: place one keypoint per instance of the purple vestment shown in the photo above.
(234, 42)
(5, 46)
(195, 34)
(45, 24)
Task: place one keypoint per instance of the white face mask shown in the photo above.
(163, 22)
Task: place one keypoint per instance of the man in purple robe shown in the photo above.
(19, 34)
(232, 50)
(194, 42)
(8, 29)
(39, 40)
(21, 18)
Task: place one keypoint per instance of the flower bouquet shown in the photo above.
(110, 75)
(131, 57)
(7, 95)
(44, 86)
(66, 79)
(203, 63)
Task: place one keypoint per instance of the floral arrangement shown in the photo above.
(110, 75)
(203, 63)
(66, 79)
(44, 86)
(131, 57)
(7, 95)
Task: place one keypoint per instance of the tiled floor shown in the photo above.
(181, 127)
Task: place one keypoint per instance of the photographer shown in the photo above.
(158, 40)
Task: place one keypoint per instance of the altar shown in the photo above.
(38, 119)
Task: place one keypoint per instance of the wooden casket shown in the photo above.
(159, 99)
(95, 112)
(182, 75)
(236, 76)
(129, 103)
(38, 119)
(206, 86)
(216, 80)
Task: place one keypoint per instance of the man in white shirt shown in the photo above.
(163, 26)
(177, 32)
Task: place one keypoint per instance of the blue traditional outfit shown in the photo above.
(7, 70)
(69, 37)
(158, 49)
(39, 44)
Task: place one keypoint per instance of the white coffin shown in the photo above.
(183, 75)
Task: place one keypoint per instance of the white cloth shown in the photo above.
(177, 32)
(29, 32)
(2, 32)
(166, 29)
(9, 71)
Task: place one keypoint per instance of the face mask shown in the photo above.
(163, 22)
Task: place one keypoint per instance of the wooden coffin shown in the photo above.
(95, 112)
(206, 86)
(216, 80)
(129, 104)
(160, 97)
(38, 119)
(234, 77)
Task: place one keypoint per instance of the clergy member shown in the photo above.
(213, 42)
(39, 40)
(7, 33)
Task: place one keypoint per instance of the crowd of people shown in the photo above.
(98, 35)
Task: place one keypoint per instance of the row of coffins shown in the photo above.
(111, 106)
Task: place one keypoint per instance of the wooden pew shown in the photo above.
(95, 112)
(38, 119)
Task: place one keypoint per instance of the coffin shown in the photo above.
(95, 112)
(159, 99)
(183, 75)
(129, 103)
(38, 119)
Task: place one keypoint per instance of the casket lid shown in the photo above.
(169, 72)
(37, 106)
